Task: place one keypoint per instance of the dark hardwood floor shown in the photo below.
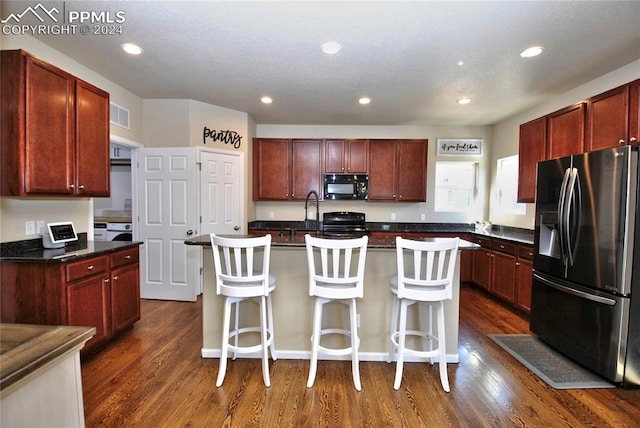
(153, 376)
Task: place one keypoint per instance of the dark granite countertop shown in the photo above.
(25, 348)
(297, 241)
(32, 251)
(519, 235)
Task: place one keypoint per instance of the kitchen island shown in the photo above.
(293, 307)
(40, 379)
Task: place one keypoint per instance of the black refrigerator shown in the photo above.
(587, 261)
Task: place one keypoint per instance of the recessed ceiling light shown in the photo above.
(266, 100)
(464, 101)
(132, 49)
(531, 52)
(331, 48)
(364, 100)
(460, 63)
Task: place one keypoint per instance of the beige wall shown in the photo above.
(377, 211)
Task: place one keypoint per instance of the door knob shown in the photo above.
(236, 228)
(189, 232)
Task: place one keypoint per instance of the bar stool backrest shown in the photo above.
(241, 265)
(336, 267)
(426, 268)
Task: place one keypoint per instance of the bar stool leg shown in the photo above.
(315, 340)
(355, 341)
(394, 328)
(270, 327)
(265, 347)
(225, 341)
(442, 354)
(236, 316)
(401, 343)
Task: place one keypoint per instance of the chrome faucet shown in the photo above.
(306, 204)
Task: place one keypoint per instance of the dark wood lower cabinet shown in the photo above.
(101, 292)
(504, 269)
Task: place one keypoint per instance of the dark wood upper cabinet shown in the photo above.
(286, 169)
(565, 131)
(533, 137)
(397, 170)
(611, 120)
(55, 131)
(343, 156)
(271, 164)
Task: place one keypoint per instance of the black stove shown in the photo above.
(344, 224)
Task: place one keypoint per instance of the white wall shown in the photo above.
(378, 211)
(506, 133)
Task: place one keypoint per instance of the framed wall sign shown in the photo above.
(459, 147)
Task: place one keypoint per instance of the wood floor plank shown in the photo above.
(153, 375)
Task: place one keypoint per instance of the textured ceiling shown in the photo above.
(403, 55)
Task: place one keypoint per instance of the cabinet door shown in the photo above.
(565, 131)
(334, 156)
(271, 163)
(634, 112)
(503, 281)
(49, 134)
(481, 270)
(382, 170)
(306, 167)
(357, 156)
(524, 274)
(412, 167)
(88, 304)
(125, 297)
(532, 150)
(92, 141)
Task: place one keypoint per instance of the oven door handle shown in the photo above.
(573, 291)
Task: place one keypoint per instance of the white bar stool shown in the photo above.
(431, 267)
(336, 273)
(242, 274)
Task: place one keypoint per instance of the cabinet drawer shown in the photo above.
(525, 252)
(124, 257)
(504, 247)
(84, 268)
(484, 242)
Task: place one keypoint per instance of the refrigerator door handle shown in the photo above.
(573, 291)
(562, 215)
(572, 228)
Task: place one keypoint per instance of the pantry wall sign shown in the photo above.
(459, 147)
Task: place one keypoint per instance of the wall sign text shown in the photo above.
(459, 147)
(228, 137)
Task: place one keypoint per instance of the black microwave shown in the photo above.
(346, 186)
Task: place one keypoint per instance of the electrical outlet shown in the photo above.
(393, 216)
(30, 227)
(40, 227)
(270, 214)
(423, 217)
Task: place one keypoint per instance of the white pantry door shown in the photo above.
(222, 191)
(169, 213)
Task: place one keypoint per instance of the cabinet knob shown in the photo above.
(71, 186)
(128, 257)
(621, 141)
(107, 280)
(81, 186)
(90, 267)
(633, 139)
(115, 278)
